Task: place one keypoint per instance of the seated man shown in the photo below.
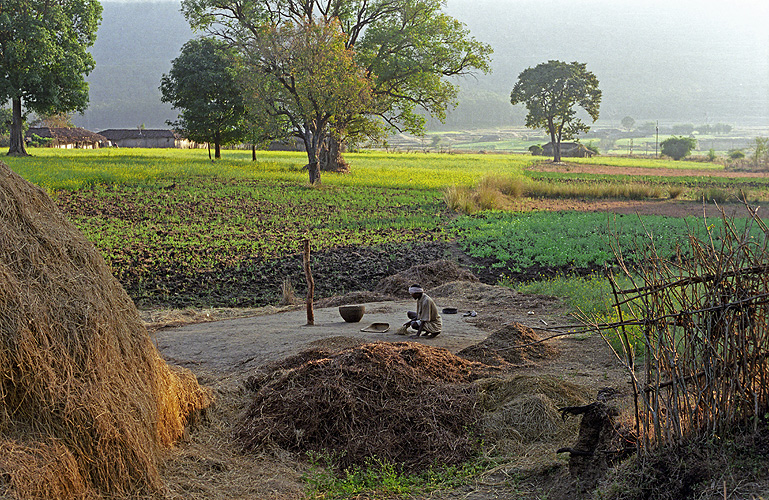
(426, 318)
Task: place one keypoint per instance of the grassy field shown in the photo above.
(180, 230)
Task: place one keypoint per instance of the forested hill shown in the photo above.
(675, 61)
(134, 48)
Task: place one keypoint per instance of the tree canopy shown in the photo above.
(678, 147)
(552, 92)
(203, 83)
(44, 57)
(310, 82)
(404, 48)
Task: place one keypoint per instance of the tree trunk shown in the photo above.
(331, 159)
(253, 152)
(313, 165)
(17, 134)
(314, 169)
(217, 146)
(556, 142)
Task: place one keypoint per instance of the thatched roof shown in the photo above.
(66, 134)
(119, 134)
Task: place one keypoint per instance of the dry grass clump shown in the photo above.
(521, 418)
(513, 344)
(86, 402)
(428, 276)
(460, 199)
(404, 402)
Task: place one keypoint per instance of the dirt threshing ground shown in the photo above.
(224, 353)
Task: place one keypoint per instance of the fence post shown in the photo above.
(310, 283)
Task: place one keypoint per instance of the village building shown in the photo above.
(147, 138)
(568, 149)
(64, 138)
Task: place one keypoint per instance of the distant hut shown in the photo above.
(568, 149)
(147, 138)
(65, 138)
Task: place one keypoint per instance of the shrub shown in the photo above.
(489, 198)
(715, 194)
(536, 150)
(678, 147)
(509, 186)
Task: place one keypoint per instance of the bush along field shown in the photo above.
(179, 230)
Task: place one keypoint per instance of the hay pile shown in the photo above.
(427, 275)
(520, 416)
(405, 402)
(352, 298)
(513, 344)
(86, 403)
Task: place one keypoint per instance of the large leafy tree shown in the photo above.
(553, 92)
(44, 57)
(203, 83)
(304, 77)
(406, 48)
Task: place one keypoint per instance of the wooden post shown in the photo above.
(310, 283)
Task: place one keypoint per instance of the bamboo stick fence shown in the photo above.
(701, 320)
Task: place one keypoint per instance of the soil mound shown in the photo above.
(513, 344)
(86, 402)
(404, 402)
(428, 276)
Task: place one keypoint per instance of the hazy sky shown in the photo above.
(692, 60)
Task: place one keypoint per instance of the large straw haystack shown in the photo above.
(86, 402)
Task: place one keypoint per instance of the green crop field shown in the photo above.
(180, 230)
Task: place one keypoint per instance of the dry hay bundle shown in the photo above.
(520, 414)
(405, 402)
(352, 298)
(86, 402)
(427, 275)
(513, 344)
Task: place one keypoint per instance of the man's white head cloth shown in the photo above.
(416, 289)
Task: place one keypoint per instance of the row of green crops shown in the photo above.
(206, 223)
(518, 241)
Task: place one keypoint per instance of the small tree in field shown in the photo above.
(203, 83)
(551, 92)
(628, 123)
(678, 147)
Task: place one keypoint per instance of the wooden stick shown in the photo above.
(310, 283)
